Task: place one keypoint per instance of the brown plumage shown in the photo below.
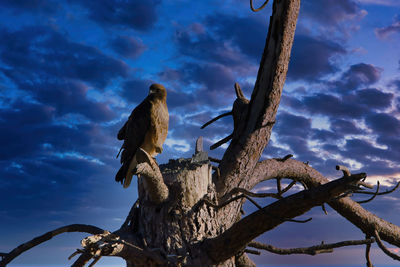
(146, 128)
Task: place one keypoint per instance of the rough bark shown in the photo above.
(351, 210)
(246, 147)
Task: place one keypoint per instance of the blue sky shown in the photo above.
(72, 70)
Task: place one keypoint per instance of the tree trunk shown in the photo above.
(174, 225)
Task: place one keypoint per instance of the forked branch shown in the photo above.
(251, 226)
(313, 250)
(349, 209)
(83, 228)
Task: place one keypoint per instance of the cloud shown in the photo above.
(343, 127)
(33, 6)
(246, 33)
(358, 75)
(385, 32)
(292, 125)
(35, 54)
(70, 98)
(127, 46)
(334, 106)
(135, 14)
(330, 12)
(380, 2)
(312, 58)
(382, 123)
(135, 90)
(374, 98)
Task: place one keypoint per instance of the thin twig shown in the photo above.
(214, 159)
(82, 260)
(313, 250)
(221, 142)
(252, 251)
(284, 190)
(247, 194)
(78, 251)
(95, 260)
(285, 158)
(257, 9)
(367, 251)
(279, 186)
(373, 196)
(216, 118)
(383, 248)
(324, 208)
(381, 193)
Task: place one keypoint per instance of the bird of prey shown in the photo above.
(146, 128)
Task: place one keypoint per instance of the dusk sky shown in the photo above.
(71, 71)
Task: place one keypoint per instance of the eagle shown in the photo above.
(146, 128)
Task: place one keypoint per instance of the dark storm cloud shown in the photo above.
(135, 90)
(225, 39)
(333, 106)
(247, 33)
(311, 58)
(324, 135)
(215, 84)
(42, 6)
(389, 30)
(358, 75)
(343, 127)
(205, 46)
(375, 160)
(384, 124)
(292, 125)
(70, 98)
(35, 54)
(373, 98)
(136, 14)
(127, 46)
(214, 76)
(359, 149)
(25, 128)
(330, 12)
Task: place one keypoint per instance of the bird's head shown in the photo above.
(158, 90)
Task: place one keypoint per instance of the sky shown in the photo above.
(71, 71)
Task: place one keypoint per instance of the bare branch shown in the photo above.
(82, 260)
(367, 251)
(273, 215)
(257, 9)
(352, 211)
(221, 142)
(385, 249)
(216, 118)
(344, 169)
(252, 251)
(83, 228)
(381, 193)
(252, 132)
(148, 169)
(214, 159)
(313, 250)
(373, 196)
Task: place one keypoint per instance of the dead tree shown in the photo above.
(188, 216)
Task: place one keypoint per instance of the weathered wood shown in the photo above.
(246, 147)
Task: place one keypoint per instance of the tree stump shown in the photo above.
(184, 218)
